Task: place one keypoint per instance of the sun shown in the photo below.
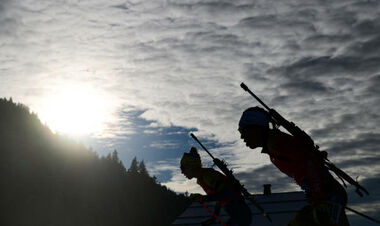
(75, 110)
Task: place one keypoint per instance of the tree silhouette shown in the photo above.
(134, 166)
(115, 156)
(142, 169)
(47, 179)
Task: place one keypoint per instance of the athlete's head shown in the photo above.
(190, 162)
(253, 125)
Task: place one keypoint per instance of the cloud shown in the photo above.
(179, 64)
(329, 66)
(254, 180)
(176, 180)
(306, 86)
(362, 144)
(165, 144)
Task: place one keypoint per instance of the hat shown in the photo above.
(255, 116)
(191, 159)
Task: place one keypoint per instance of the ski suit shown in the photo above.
(218, 188)
(327, 198)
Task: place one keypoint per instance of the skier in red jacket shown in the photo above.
(327, 198)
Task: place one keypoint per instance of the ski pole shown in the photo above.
(363, 215)
(213, 214)
(354, 211)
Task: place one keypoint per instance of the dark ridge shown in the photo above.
(49, 180)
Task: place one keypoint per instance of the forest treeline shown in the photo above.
(46, 179)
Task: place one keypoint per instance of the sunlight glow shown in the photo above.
(75, 110)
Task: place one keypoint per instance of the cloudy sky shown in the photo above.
(138, 76)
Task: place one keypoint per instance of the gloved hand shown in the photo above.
(209, 221)
(320, 213)
(195, 197)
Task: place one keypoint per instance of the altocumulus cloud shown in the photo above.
(181, 63)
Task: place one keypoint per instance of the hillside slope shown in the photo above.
(49, 180)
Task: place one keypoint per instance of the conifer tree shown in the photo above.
(142, 168)
(134, 166)
(115, 156)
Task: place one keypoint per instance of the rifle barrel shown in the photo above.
(242, 85)
(204, 148)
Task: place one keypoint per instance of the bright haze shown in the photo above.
(139, 76)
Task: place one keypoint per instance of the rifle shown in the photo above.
(309, 143)
(229, 174)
